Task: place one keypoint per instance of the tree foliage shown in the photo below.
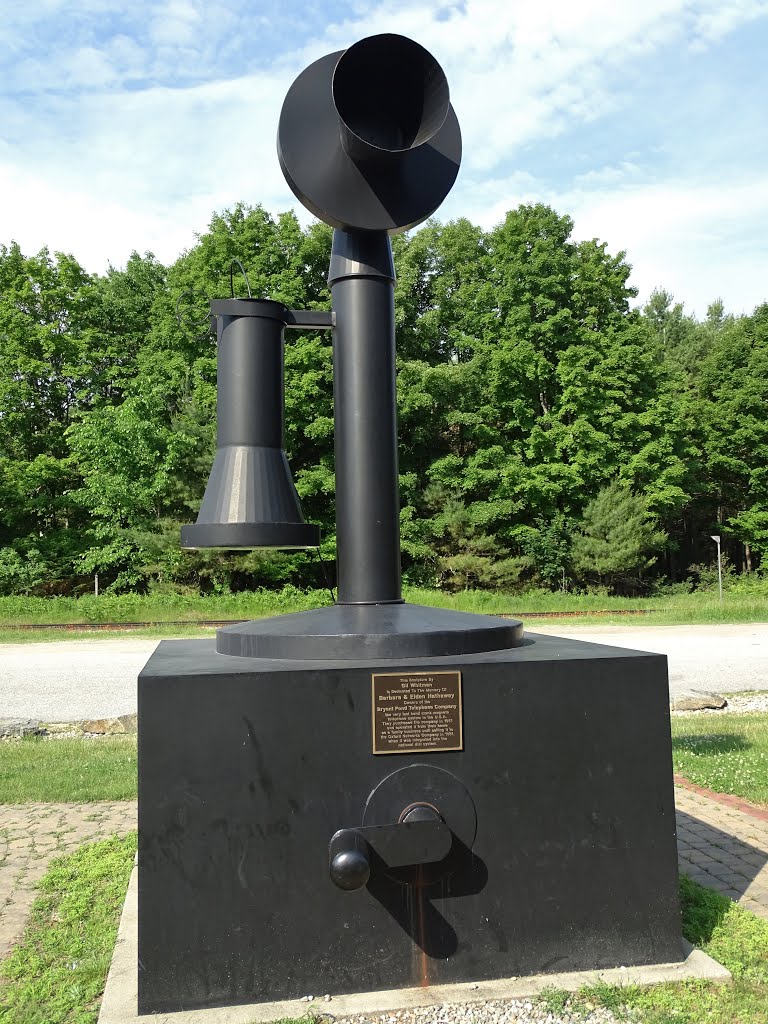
(618, 540)
(550, 433)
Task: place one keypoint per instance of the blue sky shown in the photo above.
(124, 129)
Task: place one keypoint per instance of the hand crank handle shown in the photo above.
(398, 845)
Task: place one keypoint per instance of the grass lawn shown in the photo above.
(734, 937)
(581, 608)
(57, 974)
(670, 610)
(9, 635)
(157, 608)
(67, 770)
(727, 753)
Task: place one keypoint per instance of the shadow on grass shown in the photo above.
(711, 743)
(702, 910)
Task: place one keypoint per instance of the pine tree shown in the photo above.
(618, 539)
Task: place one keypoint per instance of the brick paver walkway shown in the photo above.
(723, 848)
(31, 834)
(719, 846)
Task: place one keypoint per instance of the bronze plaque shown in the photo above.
(417, 712)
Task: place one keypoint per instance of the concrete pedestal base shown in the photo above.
(555, 781)
(119, 1005)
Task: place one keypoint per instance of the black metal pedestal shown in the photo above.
(387, 631)
(560, 802)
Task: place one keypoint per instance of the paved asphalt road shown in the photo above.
(74, 679)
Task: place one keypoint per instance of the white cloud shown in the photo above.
(129, 136)
(175, 24)
(37, 213)
(714, 22)
(521, 71)
(699, 241)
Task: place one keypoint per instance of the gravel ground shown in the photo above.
(723, 658)
(513, 1011)
(71, 679)
(96, 678)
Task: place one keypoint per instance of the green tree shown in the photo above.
(159, 433)
(466, 556)
(534, 384)
(45, 317)
(526, 386)
(732, 415)
(618, 539)
(547, 545)
(120, 323)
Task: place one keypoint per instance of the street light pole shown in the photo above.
(716, 538)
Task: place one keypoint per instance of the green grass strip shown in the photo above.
(35, 770)
(728, 754)
(745, 605)
(57, 974)
(55, 636)
(734, 937)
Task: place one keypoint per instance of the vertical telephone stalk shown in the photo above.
(362, 278)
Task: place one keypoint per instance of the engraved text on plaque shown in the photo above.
(416, 712)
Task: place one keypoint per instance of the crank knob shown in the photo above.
(350, 870)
